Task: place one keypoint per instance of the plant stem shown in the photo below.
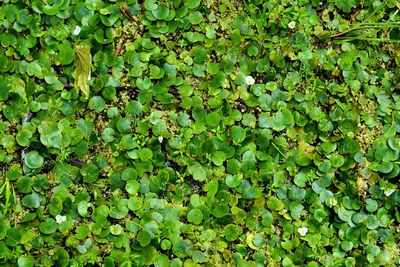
(366, 25)
(367, 39)
(280, 152)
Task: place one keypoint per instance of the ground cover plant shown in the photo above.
(199, 133)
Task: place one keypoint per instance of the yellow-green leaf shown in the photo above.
(83, 67)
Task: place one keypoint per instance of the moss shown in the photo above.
(366, 136)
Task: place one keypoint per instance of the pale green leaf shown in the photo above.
(83, 67)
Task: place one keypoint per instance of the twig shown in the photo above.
(126, 12)
(76, 162)
(121, 42)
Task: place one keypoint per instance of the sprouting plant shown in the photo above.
(361, 30)
(258, 16)
(7, 193)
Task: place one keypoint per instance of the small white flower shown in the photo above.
(292, 25)
(77, 30)
(388, 192)
(303, 231)
(60, 218)
(249, 80)
(160, 139)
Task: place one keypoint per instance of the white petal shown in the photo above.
(249, 80)
(292, 25)
(303, 231)
(59, 219)
(77, 30)
(389, 192)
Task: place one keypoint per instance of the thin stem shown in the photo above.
(280, 152)
(376, 26)
(381, 23)
(393, 15)
(346, 31)
(365, 25)
(368, 39)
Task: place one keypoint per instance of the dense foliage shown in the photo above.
(199, 133)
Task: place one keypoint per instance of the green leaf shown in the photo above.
(161, 13)
(116, 229)
(90, 173)
(233, 180)
(55, 206)
(48, 227)
(345, 215)
(232, 232)
(296, 210)
(238, 134)
(195, 18)
(144, 238)
(218, 158)
(267, 219)
(66, 54)
(4, 87)
(33, 160)
(345, 5)
(372, 205)
(13, 237)
(192, 4)
(145, 154)
(97, 103)
(281, 120)
(274, 203)
(220, 210)
(82, 68)
(195, 216)
(198, 172)
(320, 215)
(31, 201)
(300, 180)
(26, 261)
(83, 208)
(150, 5)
